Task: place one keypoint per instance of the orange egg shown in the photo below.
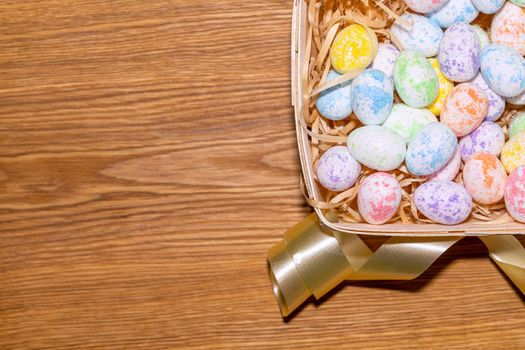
(465, 108)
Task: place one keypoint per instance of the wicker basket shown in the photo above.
(300, 30)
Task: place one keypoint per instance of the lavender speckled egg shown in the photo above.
(515, 194)
(517, 124)
(377, 147)
(445, 202)
(422, 36)
(489, 137)
(459, 53)
(508, 27)
(372, 97)
(379, 198)
(496, 102)
(483, 36)
(415, 80)
(337, 170)
(517, 100)
(334, 103)
(503, 69)
(488, 6)
(455, 11)
(385, 59)
(450, 171)
(407, 121)
(465, 108)
(485, 178)
(431, 149)
(425, 6)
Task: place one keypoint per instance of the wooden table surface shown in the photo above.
(147, 163)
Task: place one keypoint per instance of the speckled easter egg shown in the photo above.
(445, 202)
(483, 36)
(496, 102)
(379, 198)
(449, 171)
(455, 11)
(484, 178)
(415, 80)
(353, 49)
(431, 149)
(385, 59)
(372, 97)
(508, 27)
(520, 3)
(459, 53)
(488, 6)
(517, 124)
(513, 153)
(465, 108)
(488, 137)
(425, 6)
(503, 69)
(422, 36)
(517, 100)
(377, 147)
(334, 103)
(337, 170)
(445, 86)
(407, 121)
(515, 194)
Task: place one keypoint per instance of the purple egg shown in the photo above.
(337, 170)
(445, 202)
(496, 102)
(459, 52)
(488, 137)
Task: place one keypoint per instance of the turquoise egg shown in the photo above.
(488, 6)
(423, 35)
(372, 97)
(503, 69)
(453, 12)
(334, 103)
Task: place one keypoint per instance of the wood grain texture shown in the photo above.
(147, 163)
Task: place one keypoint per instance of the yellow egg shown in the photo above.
(353, 49)
(445, 86)
(513, 154)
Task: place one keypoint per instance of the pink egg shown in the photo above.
(515, 194)
(425, 6)
(508, 27)
(485, 178)
(451, 170)
(379, 198)
(465, 108)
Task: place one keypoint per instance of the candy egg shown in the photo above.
(453, 12)
(503, 69)
(385, 59)
(517, 124)
(483, 37)
(372, 97)
(488, 6)
(353, 49)
(407, 121)
(334, 103)
(465, 108)
(415, 80)
(379, 198)
(450, 171)
(445, 86)
(489, 137)
(431, 149)
(515, 194)
(445, 202)
(459, 53)
(496, 102)
(422, 36)
(485, 178)
(513, 153)
(425, 6)
(520, 3)
(337, 170)
(377, 147)
(517, 100)
(508, 27)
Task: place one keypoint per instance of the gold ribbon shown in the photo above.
(311, 260)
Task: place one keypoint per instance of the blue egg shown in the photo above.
(453, 12)
(334, 103)
(488, 6)
(372, 97)
(423, 35)
(503, 69)
(431, 149)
